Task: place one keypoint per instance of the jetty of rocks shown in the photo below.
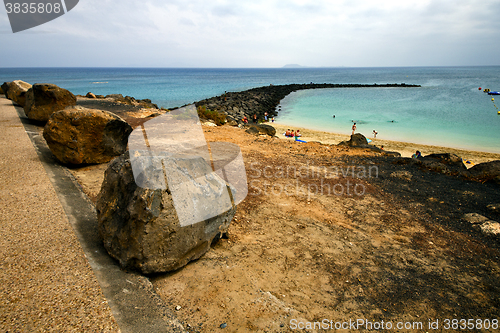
(236, 105)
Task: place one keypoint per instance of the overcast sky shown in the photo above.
(260, 33)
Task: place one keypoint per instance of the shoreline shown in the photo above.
(406, 149)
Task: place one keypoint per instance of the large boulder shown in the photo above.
(17, 90)
(488, 171)
(86, 136)
(141, 226)
(43, 99)
(356, 140)
(5, 87)
(451, 160)
(261, 129)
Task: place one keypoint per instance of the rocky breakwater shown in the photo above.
(259, 101)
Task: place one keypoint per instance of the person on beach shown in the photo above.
(287, 133)
(353, 128)
(416, 155)
(292, 133)
(254, 118)
(245, 119)
(272, 119)
(375, 134)
(297, 135)
(265, 116)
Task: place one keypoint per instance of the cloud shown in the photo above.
(271, 33)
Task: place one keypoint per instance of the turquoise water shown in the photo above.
(447, 110)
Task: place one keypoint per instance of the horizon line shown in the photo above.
(282, 67)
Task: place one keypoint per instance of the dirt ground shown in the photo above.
(338, 236)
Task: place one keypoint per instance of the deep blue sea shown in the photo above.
(447, 110)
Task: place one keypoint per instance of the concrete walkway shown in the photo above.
(54, 273)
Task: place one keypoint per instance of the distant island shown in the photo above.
(294, 66)
(300, 66)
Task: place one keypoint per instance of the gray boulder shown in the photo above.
(140, 226)
(261, 129)
(86, 136)
(356, 140)
(17, 90)
(488, 171)
(43, 99)
(451, 160)
(481, 222)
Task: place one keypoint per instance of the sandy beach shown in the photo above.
(406, 149)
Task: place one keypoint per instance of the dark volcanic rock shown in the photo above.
(86, 136)
(443, 163)
(140, 227)
(43, 99)
(486, 171)
(451, 160)
(356, 140)
(261, 129)
(5, 87)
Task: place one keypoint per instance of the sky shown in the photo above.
(259, 34)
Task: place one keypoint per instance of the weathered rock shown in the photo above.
(43, 99)
(90, 95)
(1, 91)
(453, 161)
(141, 228)
(253, 130)
(356, 140)
(261, 129)
(488, 171)
(475, 218)
(486, 225)
(17, 90)
(5, 87)
(209, 123)
(86, 136)
(494, 207)
(114, 96)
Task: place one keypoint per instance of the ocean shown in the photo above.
(448, 110)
